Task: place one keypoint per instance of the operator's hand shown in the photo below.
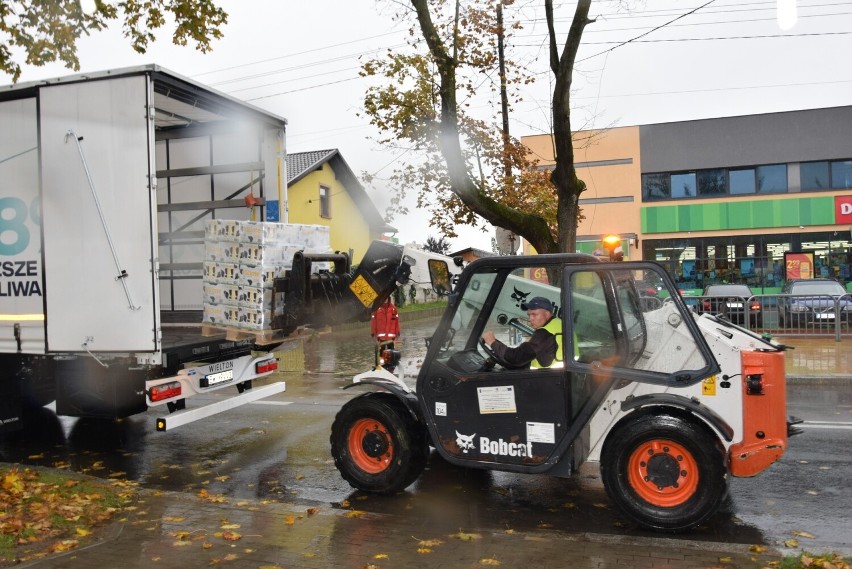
(489, 337)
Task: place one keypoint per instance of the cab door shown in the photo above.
(479, 412)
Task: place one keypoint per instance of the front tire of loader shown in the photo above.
(664, 472)
(377, 445)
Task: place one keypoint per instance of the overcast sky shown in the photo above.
(300, 60)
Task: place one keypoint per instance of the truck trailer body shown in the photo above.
(107, 181)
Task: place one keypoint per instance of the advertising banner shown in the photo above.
(799, 265)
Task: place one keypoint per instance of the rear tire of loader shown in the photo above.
(377, 445)
(664, 472)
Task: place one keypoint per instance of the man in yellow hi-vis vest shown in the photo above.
(544, 348)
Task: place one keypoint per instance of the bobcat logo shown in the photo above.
(465, 442)
(519, 297)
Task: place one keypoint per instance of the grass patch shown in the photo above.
(809, 560)
(47, 512)
(421, 306)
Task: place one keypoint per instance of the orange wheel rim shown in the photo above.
(370, 445)
(663, 473)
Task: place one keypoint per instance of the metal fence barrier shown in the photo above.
(782, 314)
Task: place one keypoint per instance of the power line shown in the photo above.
(646, 33)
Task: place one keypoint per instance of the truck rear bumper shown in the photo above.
(189, 415)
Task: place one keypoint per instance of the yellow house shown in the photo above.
(323, 190)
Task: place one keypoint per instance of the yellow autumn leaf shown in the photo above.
(757, 548)
(223, 478)
(356, 514)
(229, 526)
(489, 561)
(181, 543)
(174, 519)
(299, 476)
(83, 532)
(312, 511)
(12, 482)
(429, 542)
(423, 550)
(345, 504)
(466, 536)
(231, 536)
(64, 545)
(381, 556)
(804, 534)
(792, 543)
(206, 545)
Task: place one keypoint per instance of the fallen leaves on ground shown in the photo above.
(828, 561)
(45, 512)
(466, 536)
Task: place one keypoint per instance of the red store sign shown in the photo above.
(843, 209)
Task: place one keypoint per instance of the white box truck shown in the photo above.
(106, 183)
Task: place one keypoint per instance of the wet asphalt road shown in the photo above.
(278, 450)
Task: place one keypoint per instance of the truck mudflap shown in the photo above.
(239, 372)
(764, 414)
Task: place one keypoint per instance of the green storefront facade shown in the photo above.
(749, 240)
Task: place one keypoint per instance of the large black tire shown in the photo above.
(664, 472)
(377, 445)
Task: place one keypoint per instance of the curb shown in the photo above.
(820, 379)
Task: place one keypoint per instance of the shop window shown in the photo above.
(683, 185)
(841, 174)
(712, 183)
(814, 175)
(743, 181)
(772, 179)
(656, 187)
(325, 201)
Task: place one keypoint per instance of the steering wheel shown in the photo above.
(493, 356)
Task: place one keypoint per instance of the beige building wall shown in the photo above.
(608, 162)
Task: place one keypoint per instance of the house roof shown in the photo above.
(473, 251)
(300, 164)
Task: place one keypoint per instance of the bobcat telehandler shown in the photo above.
(669, 403)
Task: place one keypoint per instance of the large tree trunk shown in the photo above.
(564, 176)
(532, 227)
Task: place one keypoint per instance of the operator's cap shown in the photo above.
(538, 302)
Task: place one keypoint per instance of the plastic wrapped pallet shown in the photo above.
(241, 260)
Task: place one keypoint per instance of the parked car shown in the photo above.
(818, 303)
(731, 301)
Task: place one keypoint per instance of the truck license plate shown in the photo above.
(217, 378)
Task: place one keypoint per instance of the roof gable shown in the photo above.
(300, 164)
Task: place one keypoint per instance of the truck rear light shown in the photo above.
(165, 391)
(266, 366)
(755, 305)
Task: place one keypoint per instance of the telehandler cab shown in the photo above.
(668, 402)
